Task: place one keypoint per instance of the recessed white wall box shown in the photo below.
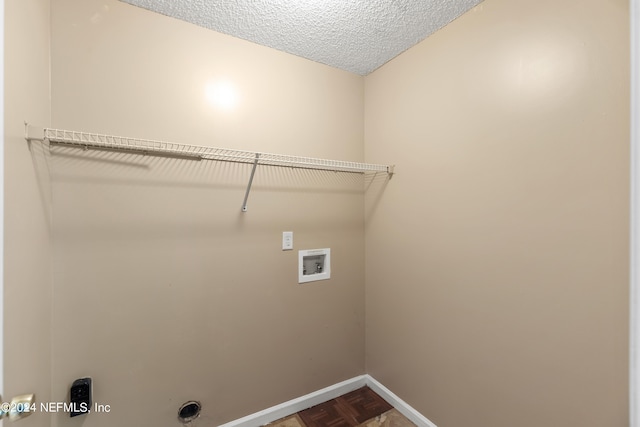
(314, 264)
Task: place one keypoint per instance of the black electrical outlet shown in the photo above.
(80, 396)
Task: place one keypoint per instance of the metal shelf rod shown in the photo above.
(253, 172)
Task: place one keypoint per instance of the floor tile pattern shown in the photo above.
(359, 408)
(391, 418)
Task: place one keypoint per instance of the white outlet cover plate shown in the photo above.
(287, 240)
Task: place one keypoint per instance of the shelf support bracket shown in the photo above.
(253, 172)
(33, 133)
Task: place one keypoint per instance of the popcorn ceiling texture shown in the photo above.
(356, 36)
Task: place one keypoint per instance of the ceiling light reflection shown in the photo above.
(222, 94)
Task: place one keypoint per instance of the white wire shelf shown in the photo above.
(150, 147)
(94, 141)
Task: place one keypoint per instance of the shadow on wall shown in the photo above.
(39, 155)
(149, 195)
(68, 163)
(374, 188)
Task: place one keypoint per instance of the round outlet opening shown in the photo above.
(189, 411)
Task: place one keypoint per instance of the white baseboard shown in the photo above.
(403, 407)
(296, 405)
(301, 403)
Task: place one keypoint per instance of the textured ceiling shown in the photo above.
(354, 35)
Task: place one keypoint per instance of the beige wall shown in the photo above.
(164, 290)
(27, 245)
(497, 257)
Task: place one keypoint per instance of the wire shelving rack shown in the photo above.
(93, 141)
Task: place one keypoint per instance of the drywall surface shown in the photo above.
(27, 245)
(497, 259)
(164, 290)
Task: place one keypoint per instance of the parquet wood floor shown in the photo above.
(359, 408)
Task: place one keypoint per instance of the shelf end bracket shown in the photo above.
(33, 133)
